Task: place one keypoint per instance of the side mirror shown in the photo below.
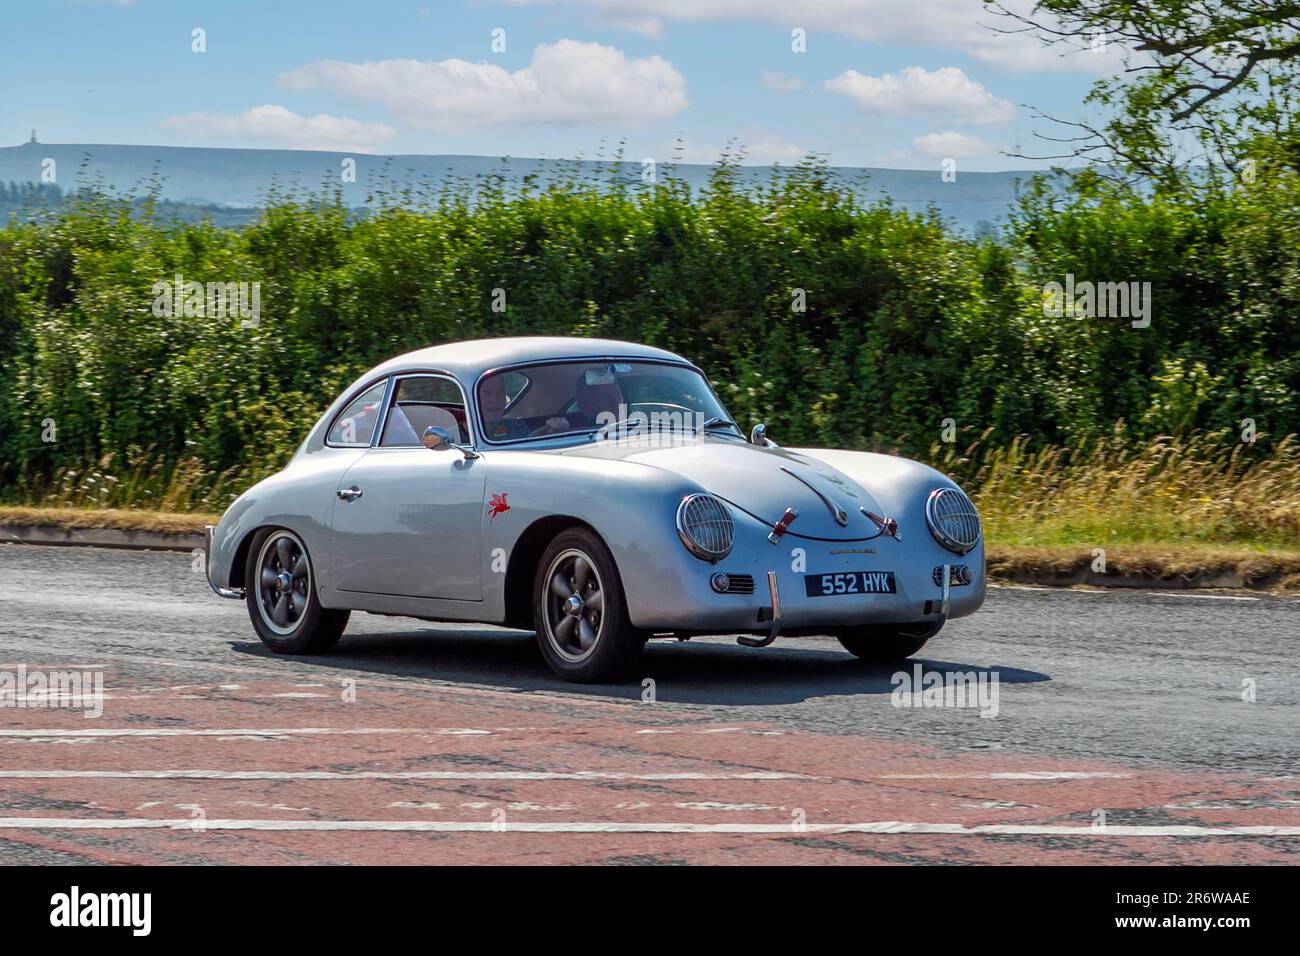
(759, 436)
(439, 439)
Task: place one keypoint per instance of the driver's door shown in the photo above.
(408, 520)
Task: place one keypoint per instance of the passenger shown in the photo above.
(600, 398)
(600, 402)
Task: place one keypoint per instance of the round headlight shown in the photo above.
(704, 525)
(952, 520)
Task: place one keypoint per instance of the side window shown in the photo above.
(420, 402)
(356, 423)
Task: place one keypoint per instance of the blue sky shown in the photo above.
(881, 82)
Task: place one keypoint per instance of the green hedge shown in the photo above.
(906, 325)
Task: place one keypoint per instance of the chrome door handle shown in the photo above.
(349, 494)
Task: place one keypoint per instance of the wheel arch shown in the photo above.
(239, 563)
(521, 569)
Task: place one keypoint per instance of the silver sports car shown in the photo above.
(598, 493)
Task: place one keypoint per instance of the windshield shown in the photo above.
(582, 398)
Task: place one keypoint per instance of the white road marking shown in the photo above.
(292, 731)
(1014, 775)
(612, 826)
(1161, 592)
(179, 774)
(423, 684)
(1042, 588)
(243, 732)
(388, 775)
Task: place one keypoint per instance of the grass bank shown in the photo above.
(1180, 564)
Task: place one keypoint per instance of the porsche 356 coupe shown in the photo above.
(598, 493)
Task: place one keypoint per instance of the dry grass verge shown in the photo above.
(158, 522)
(1149, 565)
(1133, 565)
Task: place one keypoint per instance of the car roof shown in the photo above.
(468, 360)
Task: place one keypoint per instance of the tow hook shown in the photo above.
(776, 615)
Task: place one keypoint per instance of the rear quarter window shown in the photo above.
(355, 425)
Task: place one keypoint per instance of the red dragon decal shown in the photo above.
(497, 505)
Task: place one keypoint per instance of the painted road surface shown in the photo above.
(1126, 728)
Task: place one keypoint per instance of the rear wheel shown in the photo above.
(279, 589)
(881, 643)
(579, 611)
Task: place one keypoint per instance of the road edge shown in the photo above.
(101, 538)
(1056, 567)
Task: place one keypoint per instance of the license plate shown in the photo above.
(850, 582)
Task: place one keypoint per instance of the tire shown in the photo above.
(303, 626)
(881, 643)
(600, 645)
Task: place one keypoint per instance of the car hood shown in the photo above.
(761, 481)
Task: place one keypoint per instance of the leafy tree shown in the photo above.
(1203, 80)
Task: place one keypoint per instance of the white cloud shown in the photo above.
(958, 24)
(276, 126)
(915, 91)
(567, 83)
(781, 83)
(761, 146)
(951, 144)
(651, 27)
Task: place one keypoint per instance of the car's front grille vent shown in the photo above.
(739, 584)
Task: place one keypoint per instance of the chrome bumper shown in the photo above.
(233, 593)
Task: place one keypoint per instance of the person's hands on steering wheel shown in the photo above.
(553, 426)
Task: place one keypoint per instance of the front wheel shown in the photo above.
(579, 611)
(881, 642)
(279, 589)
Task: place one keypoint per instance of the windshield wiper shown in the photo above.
(718, 422)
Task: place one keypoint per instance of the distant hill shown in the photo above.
(202, 176)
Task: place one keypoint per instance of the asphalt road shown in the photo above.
(1116, 732)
